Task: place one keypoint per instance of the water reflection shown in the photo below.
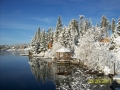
(4, 53)
(66, 76)
(14, 52)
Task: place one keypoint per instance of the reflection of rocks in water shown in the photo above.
(68, 77)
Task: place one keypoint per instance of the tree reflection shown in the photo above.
(65, 76)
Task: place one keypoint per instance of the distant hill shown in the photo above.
(16, 46)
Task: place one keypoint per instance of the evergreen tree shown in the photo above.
(61, 37)
(97, 25)
(43, 41)
(64, 37)
(59, 23)
(50, 35)
(38, 34)
(68, 39)
(35, 43)
(74, 26)
(38, 39)
(84, 24)
(105, 25)
(73, 31)
(81, 25)
(81, 17)
(113, 25)
(118, 27)
(104, 22)
(58, 28)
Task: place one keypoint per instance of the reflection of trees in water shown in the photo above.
(41, 69)
(13, 52)
(3, 53)
(78, 80)
(64, 76)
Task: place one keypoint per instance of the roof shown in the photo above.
(63, 49)
(105, 40)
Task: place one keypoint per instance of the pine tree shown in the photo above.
(35, 43)
(84, 24)
(74, 30)
(74, 26)
(68, 39)
(118, 27)
(81, 24)
(38, 39)
(50, 35)
(38, 34)
(81, 17)
(97, 25)
(104, 22)
(113, 25)
(59, 23)
(61, 37)
(58, 28)
(43, 41)
(105, 25)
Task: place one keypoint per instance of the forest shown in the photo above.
(98, 46)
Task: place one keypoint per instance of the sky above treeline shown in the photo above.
(20, 19)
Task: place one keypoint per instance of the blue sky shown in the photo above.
(19, 19)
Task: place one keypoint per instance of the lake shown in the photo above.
(33, 73)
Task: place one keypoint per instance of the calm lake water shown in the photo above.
(28, 73)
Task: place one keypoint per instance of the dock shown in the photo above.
(116, 78)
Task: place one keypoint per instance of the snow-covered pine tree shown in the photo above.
(58, 28)
(38, 40)
(84, 24)
(113, 25)
(115, 46)
(74, 33)
(34, 45)
(115, 35)
(97, 25)
(43, 41)
(59, 24)
(105, 24)
(118, 27)
(81, 24)
(50, 35)
(64, 37)
(68, 39)
(61, 37)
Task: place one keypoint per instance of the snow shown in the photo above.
(27, 48)
(117, 40)
(106, 70)
(63, 49)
